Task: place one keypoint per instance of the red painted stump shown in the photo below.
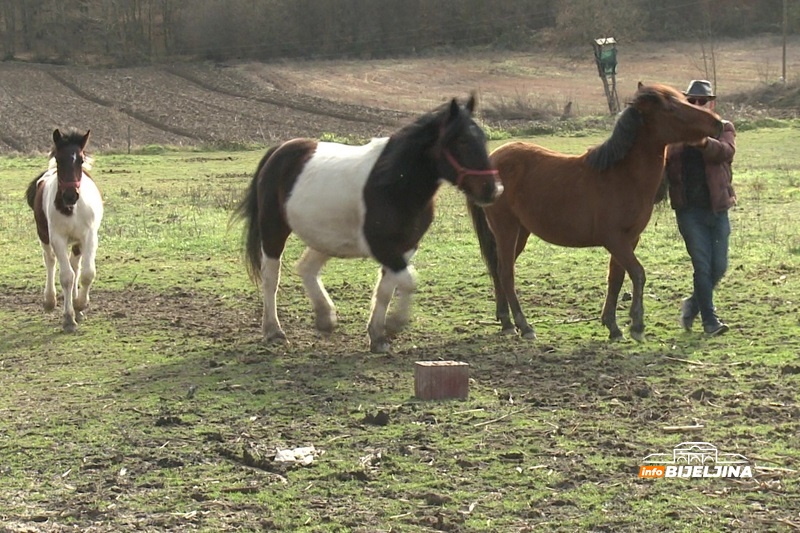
(441, 380)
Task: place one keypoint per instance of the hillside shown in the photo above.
(189, 104)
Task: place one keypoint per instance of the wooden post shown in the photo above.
(441, 380)
(785, 31)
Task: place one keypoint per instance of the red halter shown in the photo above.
(464, 172)
(64, 185)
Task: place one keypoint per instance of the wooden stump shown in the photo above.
(441, 380)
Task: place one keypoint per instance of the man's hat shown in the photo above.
(701, 88)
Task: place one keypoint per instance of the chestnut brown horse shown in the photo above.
(602, 198)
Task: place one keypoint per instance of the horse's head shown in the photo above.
(671, 118)
(69, 156)
(462, 157)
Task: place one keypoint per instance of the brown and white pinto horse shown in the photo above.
(601, 198)
(68, 209)
(375, 200)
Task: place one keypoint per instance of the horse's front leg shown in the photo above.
(506, 258)
(624, 258)
(75, 262)
(400, 314)
(388, 281)
(636, 272)
(86, 272)
(67, 279)
(308, 268)
(50, 280)
(614, 280)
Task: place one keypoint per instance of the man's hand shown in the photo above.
(699, 144)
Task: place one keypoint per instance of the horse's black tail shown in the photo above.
(486, 238)
(663, 191)
(30, 193)
(248, 211)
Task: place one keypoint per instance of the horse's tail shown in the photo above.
(30, 193)
(663, 191)
(486, 238)
(248, 211)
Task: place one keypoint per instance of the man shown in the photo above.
(701, 193)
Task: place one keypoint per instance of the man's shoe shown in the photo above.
(687, 315)
(716, 329)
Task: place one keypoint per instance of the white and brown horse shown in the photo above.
(375, 200)
(68, 208)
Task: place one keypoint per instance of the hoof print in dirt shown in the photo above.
(702, 394)
(789, 370)
(379, 419)
(169, 420)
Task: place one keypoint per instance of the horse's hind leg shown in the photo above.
(274, 233)
(49, 257)
(509, 247)
(388, 281)
(270, 279)
(614, 279)
(308, 268)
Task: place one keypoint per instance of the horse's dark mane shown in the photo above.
(616, 147)
(399, 158)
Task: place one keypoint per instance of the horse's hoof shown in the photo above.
(79, 316)
(395, 325)
(615, 336)
(529, 335)
(49, 305)
(325, 321)
(275, 337)
(70, 327)
(325, 327)
(509, 331)
(637, 335)
(379, 346)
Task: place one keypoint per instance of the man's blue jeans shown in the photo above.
(706, 236)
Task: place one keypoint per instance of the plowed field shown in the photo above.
(204, 103)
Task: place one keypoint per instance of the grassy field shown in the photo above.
(165, 410)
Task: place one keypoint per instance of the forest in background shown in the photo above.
(130, 32)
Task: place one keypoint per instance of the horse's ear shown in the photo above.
(453, 108)
(56, 136)
(85, 139)
(639, 85)
(471, 104)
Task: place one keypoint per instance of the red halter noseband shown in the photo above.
(464, 172)
(64, 185)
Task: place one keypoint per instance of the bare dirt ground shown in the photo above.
(195, 103)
